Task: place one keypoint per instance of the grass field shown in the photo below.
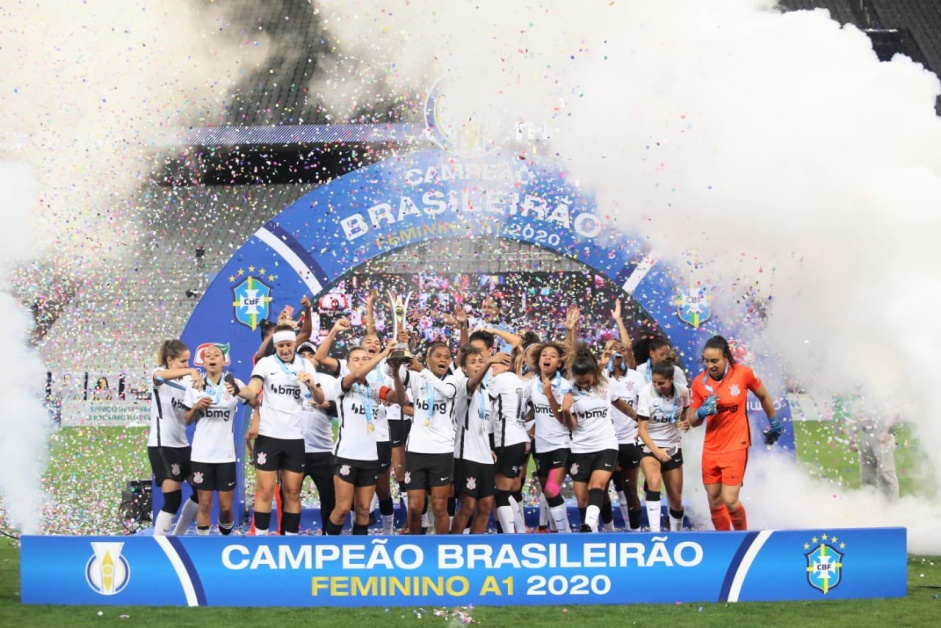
(921, 607)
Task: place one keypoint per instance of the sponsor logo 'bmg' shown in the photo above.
(107, 572)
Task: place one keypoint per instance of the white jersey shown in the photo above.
(214, 437)
(356, 432)
(628, 387)
(433, 424)
(679, 377)
(594, 430)
(375, 380)
(472, 416)
(506, 407)
(662, 414)
(318, 425)
(283, 397)
(167, 413)
(550, 433)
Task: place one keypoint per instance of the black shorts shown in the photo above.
(424, 471)
(676, 459)
(581, 466)
(398, 432)
(357, 472)
(558, 458)
(318, 464)
(279, 454)
(170, 463)
(511, 460)
(213, 476)
(629, 456)
(384, 449)
(474, 479)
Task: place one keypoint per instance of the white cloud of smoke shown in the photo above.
(89, 89)
(774, 148)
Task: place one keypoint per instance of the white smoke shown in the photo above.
(773, 147)
(90, 91)
(24, 419)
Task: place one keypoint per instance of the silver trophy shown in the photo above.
(401, 353)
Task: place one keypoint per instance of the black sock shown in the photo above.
(331, 528)
(633, 517)
(172, 501)
(262, 520)
(386, 506)
(226, 528)
(581, 514)
(596, 498)
(558, 500)
(452, 506)
(360, 529)
(618, 480)
(607, 513)
(677, 514)
(291, 523)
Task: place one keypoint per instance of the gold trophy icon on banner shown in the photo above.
(401, 353)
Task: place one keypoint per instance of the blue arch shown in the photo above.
(421, 196)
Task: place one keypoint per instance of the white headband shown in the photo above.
(281, 336)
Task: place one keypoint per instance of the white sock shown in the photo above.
(507, 519)
(560, 516)
(543, 511)
(187, 516)
(388, 523)
(260, 532)
(676, 525)
(290, 534)
(609, 527)
(519, 523)
(374, 503)
(466, 531)
(202, 531)
(653, 515)
(591, 517)
(622, 504)
(163, 524)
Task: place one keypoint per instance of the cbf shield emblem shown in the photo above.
(251, 300)
(107, 572)
(693, 307)
(824, 567)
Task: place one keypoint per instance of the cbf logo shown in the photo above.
(252, 299)
(824, 562)
(692, 306)
(107, 572)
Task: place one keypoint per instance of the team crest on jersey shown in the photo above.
(734, 390)
(692, 306)
(107, 572)
(574, 470)
(262, 457)
(345, 469)
(174, 469)
(198, 477)
(201, 349)
(824, 562)
(471, 483)
(251, 299)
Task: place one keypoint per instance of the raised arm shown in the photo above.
(370, 318)
(571, 328)
(323, 351)
(363, 369)
(303, 335)
(568, 419)
(263, 347)
(553, 403)
(509, 337)
(625, 337)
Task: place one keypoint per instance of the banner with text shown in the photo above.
(494, 570)
(77, 413)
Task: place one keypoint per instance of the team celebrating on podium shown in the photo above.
(456, 430)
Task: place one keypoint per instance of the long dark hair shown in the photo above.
(169, 349)
(583, 362)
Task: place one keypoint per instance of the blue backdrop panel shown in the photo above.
(491, 570)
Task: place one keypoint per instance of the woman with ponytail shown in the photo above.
(167, 447)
